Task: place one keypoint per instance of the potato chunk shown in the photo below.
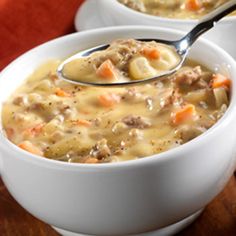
(220, 97)
(139, 68)
(74, 144)
(168, 60)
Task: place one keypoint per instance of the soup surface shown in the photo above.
(182, 9)
(58, 120)
(124, 60)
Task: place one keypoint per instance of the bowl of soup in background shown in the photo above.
(115, 13)
(123, 198)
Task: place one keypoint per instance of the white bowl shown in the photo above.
(120, 198)
(117, 14)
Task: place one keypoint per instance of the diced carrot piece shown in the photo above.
(151, 53)
(184, 114)
(109, 99)
(107, 70)
(61, 93)
(83, 122)
(91, 160)
(193, 5)
(33, 131)
(219, 80)
(29, 147)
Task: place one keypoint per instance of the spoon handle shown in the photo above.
(205, 24)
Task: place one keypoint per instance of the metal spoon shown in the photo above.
(181, 46)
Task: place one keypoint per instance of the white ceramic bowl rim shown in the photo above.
(165, 156)
(120, 7)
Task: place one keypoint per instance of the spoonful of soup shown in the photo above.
(130, 61)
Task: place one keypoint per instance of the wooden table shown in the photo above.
(219, 218)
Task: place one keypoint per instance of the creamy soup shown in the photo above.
(182, 9)
(55, 119)
(124, 60)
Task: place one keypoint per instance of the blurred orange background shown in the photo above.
(25, 24)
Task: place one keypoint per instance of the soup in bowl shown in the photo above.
(181, 9)
(63, 121)
(110, 197)
(116, 13)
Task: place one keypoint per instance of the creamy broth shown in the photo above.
(58, 120)
(181, 9)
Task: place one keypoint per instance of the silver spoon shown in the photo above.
(181, 46)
